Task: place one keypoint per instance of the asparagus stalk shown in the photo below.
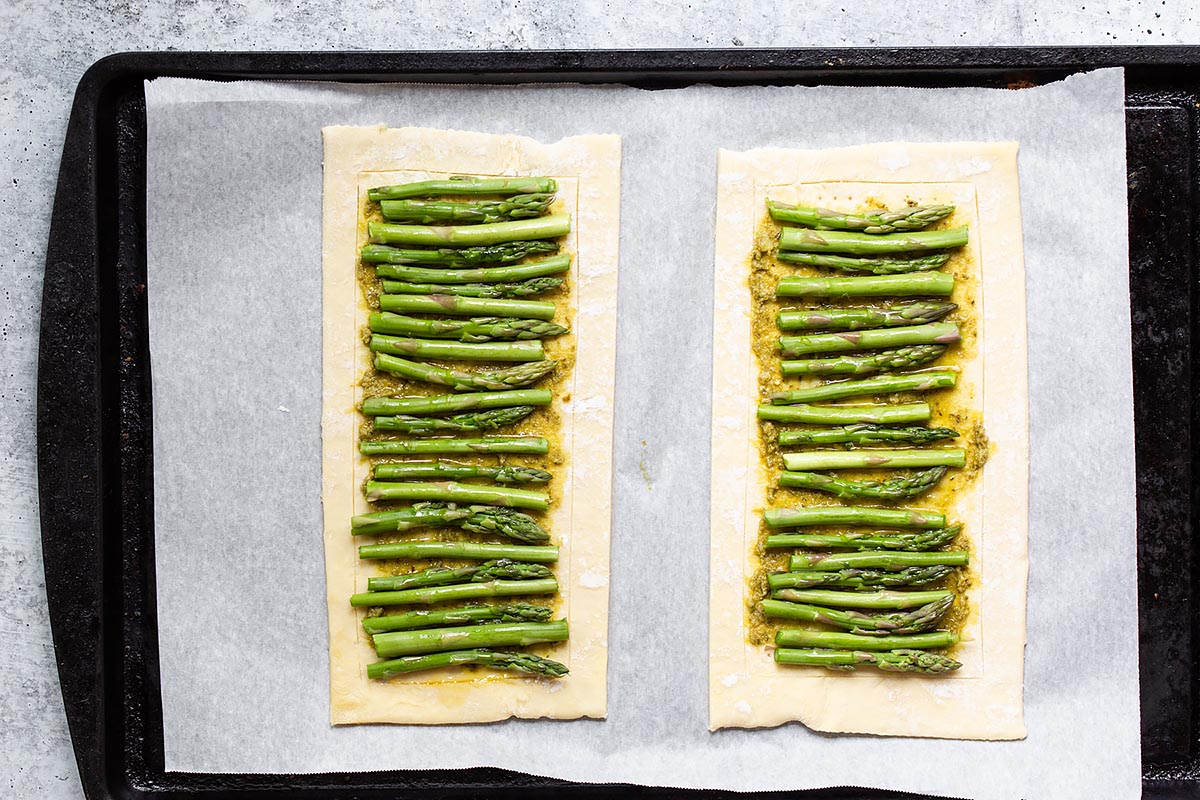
(482, 351)
(477, 329)
(472, 422)
(842, 415)
(933, 333)
(801, 637)
(507, 253)
(864, 434)
(459, 380)
(501, 634)
(879, 600)
(512, 662)
(885, 384)
(443, 403)
(526, 445)
(874, 222)
(877, 540)
(518, 206)
(451, 492)
(477, 519)
(448, 470)
(463, 185)
(500, 569)
(897, 488)
(512, 612)
(475, 421)
(878, 265)
(550, 227)
(527, 288)
(877, 559)
(853, 515)
(457, 591)
(875, 459)
(456, 305)
(895, 661)
(904, 622)
(917, 283)
(512, 272)
(856, 578)
(865, 244)
(864, 365)
(465, 550)
(853, 319)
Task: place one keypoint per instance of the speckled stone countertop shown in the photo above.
(49, 45)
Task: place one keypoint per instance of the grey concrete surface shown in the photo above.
(48, 45)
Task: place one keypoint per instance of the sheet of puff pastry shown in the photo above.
(983, 700)
(587, 169)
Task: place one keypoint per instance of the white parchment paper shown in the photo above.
(234, 278)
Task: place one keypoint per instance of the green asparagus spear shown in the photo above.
(477, 519)
(527, 445)
(874, 222)
(884, 361)
(483, 351)
(444, 403)
(854, 319)
(885, 384)
(464, 550)
(473, 422)
(897, 488)
(455, 591)
(864, 434)
(501, 634)
(865, 244)
(875, 459)
(449, 470)
(877, 559)
(512, 662)
(856, 578)
(854, 515)
(477, 329)
(520, 230)
(512, 612)
(878, 265)
(801, 637)
(875, 540)
(507, 253)
(459, 380)
(894, 661)
(501, 569)
(451, 492)
(463, 185)
(933, 333)
(917, 283)
(881, 599)
(840, 415)
(519, 206)
(457, 305)
(533, 286)
(903, 622)
(512, 272)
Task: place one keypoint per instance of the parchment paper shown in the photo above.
(233, 215)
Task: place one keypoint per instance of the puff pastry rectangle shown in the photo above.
(588, 171)
(746, 688)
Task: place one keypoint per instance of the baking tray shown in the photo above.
(95, 470)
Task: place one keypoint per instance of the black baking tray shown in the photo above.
(94, 414)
